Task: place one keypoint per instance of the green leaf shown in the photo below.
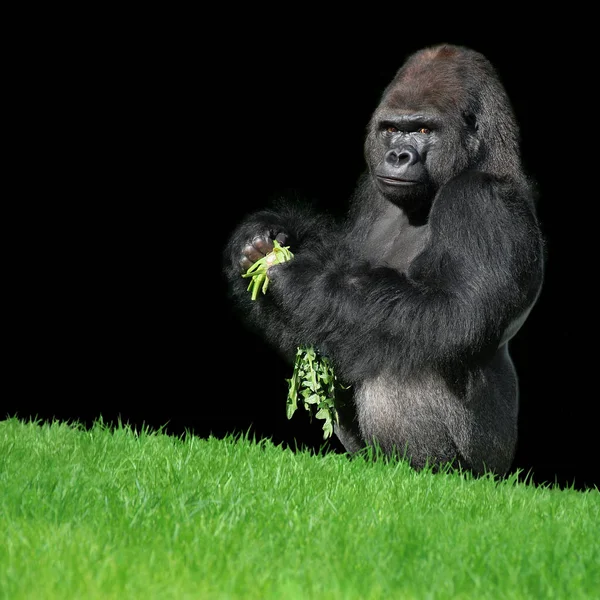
(323, 413)
(254, 272)
(312, 399)
(291, 408)
(327, 429)
(326, 377)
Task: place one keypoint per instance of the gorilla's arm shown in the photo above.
(472, 280)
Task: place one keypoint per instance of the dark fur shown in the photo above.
(416, 295)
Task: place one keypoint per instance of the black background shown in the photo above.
(166, 135)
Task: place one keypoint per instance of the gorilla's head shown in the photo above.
(444, 112)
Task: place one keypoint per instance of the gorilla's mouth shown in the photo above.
(396, 181)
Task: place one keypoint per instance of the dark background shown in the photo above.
(167, 135)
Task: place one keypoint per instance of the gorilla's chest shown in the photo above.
(393, 242)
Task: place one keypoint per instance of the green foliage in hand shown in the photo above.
(258, 271)
(313, 381)
(313, 385)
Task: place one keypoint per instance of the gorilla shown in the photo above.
(416, 293)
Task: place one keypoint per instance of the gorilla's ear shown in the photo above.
(472, 128)
(470, 120)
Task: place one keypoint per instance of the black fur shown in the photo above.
(416, 295)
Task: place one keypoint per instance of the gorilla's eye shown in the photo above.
(394, 129)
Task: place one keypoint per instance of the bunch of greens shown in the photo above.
(258, 271)
(313, 381)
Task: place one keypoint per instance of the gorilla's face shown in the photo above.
(401, 148)
(412, 153)
(424, 131)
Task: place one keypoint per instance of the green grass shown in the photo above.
(110, 513)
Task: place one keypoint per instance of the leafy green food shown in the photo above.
(313, 384)
(258, 271)
(313, 381)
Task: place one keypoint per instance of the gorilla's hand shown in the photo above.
(258, 247)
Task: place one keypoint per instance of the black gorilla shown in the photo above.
(416, 296)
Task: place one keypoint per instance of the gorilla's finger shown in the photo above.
(245, 263)
(264, 244)
(252, 253)
(274, 272)
(282, 238)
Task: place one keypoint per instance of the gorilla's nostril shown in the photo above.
(407, 155)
